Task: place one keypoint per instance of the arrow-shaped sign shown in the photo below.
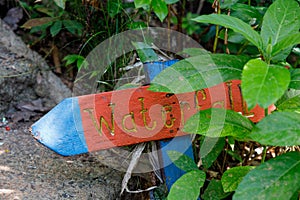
(124, 117)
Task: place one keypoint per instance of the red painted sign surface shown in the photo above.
(138, 115)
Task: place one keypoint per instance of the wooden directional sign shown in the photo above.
(124, 117)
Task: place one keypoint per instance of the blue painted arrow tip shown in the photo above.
(61, 129)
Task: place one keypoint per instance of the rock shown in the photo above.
(24, 74)
(13, 16)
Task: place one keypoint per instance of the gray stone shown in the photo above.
(24, 74)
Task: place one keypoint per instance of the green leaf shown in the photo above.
(81, 62)
(291, 104)
(145, 52)
(215, 122)
(182, 161)
(286, 43)
(142, 3)
(37, 22)
(55, 28)
(234, 24)
(114, 7)
(136, 25)
(214, 191)
(296, 195)
(278, 129)
(187, 187)
(232, 177)
(232, 36)
(235, 155)
(46, 11)
(199, 72)
(295, 79)
(171, 1)
(60, 3)
(281, 19)
(194, 52)
(289, 94)
(249, 14)
(73, 26)
(70, 59)
(263, 84)
(227, 3)
(210, 150)
(160, 8)
(278, 178)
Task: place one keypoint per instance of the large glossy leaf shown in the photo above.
(263, 84)
(295, 79)
(234, 24)
(187, 187)
(281, 19)
(215, 122)
(278, 178)
(287, 43)
(199, 72)
(232, 177)
(182, 161)
(278, 129)
(160, 8)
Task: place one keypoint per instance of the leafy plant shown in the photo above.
(266, 80)
(56, 19)
(159, 7)
(74, 58)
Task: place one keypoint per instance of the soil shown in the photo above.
(31, 171)
(28, 170)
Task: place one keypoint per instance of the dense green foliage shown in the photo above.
(266, 79)
(260, 48)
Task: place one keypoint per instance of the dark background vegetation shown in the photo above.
(95, 20)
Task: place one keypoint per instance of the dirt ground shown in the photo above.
(28, 170)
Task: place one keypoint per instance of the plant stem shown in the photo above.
(266, 112)
(264, 153)
(217, 4)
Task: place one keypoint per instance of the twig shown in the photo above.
(201, 3)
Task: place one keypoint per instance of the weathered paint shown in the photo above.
(182, 144)
(124, 117)
(61, 129)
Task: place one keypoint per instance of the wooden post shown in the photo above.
(182, 144)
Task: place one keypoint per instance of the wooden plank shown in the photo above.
(182, 144)
(99, 121)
